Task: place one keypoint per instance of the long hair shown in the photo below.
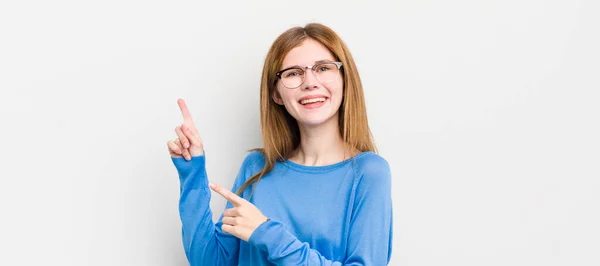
(280, 132)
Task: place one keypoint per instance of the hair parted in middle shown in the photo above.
(280, 131)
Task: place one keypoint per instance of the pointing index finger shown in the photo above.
(228, 195)
(187, 116)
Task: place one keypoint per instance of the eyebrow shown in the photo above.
(316, 63)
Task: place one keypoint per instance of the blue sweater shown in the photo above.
(339, 214)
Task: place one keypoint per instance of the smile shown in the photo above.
(312, 100)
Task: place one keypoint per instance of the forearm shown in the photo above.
(284, 248)
(203, 244)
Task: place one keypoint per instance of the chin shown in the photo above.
(316, 121)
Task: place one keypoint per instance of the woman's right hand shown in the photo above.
(188, 143)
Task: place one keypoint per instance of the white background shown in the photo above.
(487, 112)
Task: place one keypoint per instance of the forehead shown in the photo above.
(306, 54)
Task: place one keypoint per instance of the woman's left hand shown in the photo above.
(243, 218)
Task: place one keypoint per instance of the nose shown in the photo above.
(310, 80)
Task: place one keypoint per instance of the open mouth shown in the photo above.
(313, 101)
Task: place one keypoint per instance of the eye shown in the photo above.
(324, 67)
(292, 73)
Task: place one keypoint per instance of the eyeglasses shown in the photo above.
(325, 72)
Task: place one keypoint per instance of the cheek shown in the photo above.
(286, 96)
(279, 93)
(338, 92)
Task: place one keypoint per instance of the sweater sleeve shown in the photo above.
(370, 232)
(204, 242)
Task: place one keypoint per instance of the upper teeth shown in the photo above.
(312, 100)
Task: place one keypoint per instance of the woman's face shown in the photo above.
(313, 102)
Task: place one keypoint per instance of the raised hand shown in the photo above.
(243, 218)
(188, 143)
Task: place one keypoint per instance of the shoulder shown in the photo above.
(372, 173)
(254, 156)
(254, 161)
(372, 164)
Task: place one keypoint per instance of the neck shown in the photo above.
(320, 145)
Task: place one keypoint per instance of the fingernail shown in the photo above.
(211, 185)
(187, 145)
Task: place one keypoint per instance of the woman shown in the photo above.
(317, 193)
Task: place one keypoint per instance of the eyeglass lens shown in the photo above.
(325, 73)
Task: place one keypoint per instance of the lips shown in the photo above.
(312, 99)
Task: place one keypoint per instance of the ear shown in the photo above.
(277, 97)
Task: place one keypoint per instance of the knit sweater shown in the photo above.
(338, 214)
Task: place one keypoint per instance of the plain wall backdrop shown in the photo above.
(487, 112)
